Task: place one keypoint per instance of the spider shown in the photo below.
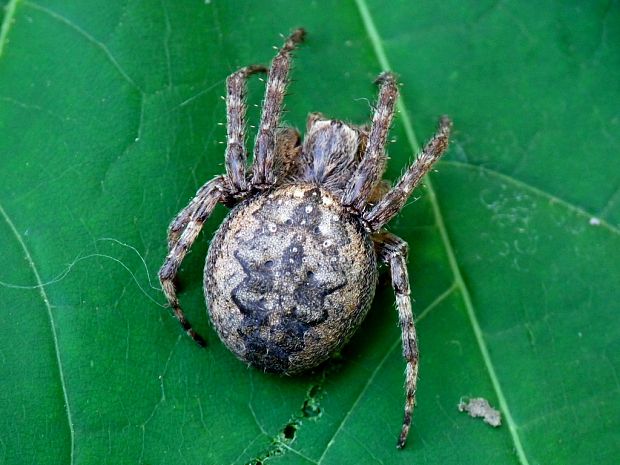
(291, 272)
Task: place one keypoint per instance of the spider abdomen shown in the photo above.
(289, 277)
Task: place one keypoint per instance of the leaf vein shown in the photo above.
(9, 15)
(376, 41)
(440, 298)
(100, 45)
(359, 397)
(535, 190)
(48, 306)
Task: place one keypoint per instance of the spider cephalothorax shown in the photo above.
(291, 272)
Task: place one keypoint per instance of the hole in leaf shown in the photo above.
(289, 431)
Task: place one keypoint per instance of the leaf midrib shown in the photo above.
(9, 14)
(375, 40)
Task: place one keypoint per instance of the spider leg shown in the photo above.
(264, 149)
(181, 235)
(393, 251)
(372, 165)
(395, 199)
(180, 222)
(236, 153)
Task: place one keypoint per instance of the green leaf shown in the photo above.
(109, 117)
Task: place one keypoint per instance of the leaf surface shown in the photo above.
(109, 117)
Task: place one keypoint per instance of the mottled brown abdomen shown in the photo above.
(289, 277)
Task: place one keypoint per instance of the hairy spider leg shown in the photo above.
(264, 149)
(393, 251)
(236, 153)
(182, 233)
(395, 199)
(371, 167)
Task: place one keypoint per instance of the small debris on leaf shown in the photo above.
(479, 407)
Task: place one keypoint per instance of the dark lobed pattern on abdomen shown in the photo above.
(281, 297)
(289, 277)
